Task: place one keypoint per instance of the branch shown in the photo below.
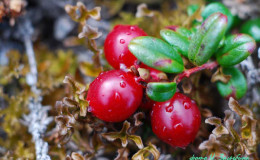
(37, 120)
(187, 73)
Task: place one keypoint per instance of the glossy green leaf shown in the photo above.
(218, 7)
(236, 86)
(177, 40)
(252, 27)
(157, 54)
(207, 39)
(236, 48)
(161, 91)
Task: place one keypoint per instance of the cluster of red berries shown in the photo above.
(115, 95)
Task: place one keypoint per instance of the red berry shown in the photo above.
(116, 45)
(114, 96)
(176, 121)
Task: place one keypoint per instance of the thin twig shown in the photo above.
(38, 120)
(187, 73)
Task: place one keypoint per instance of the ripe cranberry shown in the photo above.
(176, 121)
(114, 96)
(116, 45)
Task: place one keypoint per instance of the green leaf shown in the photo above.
(218, 7)
(236, 48)
(177, 40)
(236, 86)
(252, 27)
(161, 91)
(157, 54)
(207, 39)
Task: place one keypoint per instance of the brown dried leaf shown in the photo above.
(89, 69)
(80, 13)
(137, 117)
(89, 32)
(220, 76)
(206, 113)
(248, 129)
(240, 110)
(144, 73)
(142, 11)
(186, 85)
(220, 129)
(122, 154)
(76, 87)
(124, 136)
(212, 145)
(65, 122)
(143, 153)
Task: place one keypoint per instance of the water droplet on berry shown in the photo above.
(122, 84)
(110, 110)
(122, 41)
(123, 67)
(192, 101)
(128, 33)
(164, 128)
(152, 113)
(169, 108)
(122, 76)
(169, 139)
(132, 28)
(186, 105)
(117, 96)
(178, 126)
(121, 56)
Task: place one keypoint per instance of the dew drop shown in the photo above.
(132, 28)
(192, 101)
(186, 105)
(122, 84)
(110, 110)
(117, 96)
(122, 41)
(121, 56)
(152, 113)
(164, 128)
(169, 139)
(167, 33)
(128, 33)
(178, 126)
(122, 76)
(169, 108)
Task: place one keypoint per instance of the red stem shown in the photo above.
(188, 72)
